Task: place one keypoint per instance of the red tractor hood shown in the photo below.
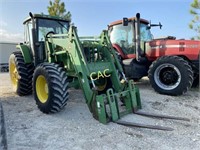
(170, 46)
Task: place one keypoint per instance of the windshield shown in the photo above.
(123, 36)
(47, 25)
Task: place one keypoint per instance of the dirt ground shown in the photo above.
(75, 129)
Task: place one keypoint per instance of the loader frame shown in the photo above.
(100, 63)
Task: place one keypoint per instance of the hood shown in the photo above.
(165, 46)
(166, 38)
(168, 42)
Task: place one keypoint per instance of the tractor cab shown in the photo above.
(123, 37)
(37, 27)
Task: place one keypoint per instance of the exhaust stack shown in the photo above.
(34, 42)
(138, 48)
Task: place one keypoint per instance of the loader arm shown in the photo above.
(94, 62)
(71, 53)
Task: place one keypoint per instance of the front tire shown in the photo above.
(50, 87)
(20, 74)
(170, 75)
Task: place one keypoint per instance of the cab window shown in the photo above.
(48, 25)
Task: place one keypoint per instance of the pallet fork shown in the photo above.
(132, 104)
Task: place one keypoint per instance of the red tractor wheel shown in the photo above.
(171, 75)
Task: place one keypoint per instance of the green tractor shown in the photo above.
(53, 58)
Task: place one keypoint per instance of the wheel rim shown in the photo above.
(42, 89)
(101, 84)
(14, 76)
(167, 76)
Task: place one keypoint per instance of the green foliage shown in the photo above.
(57, 8)
(195, 22)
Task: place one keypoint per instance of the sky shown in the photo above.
(93, 16)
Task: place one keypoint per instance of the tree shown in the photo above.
(195, 22)
(57, 8)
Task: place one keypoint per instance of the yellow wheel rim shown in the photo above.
(42, 89)
(14, 76)
(101, 84)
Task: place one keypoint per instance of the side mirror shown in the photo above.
(125, 22)
(153, 25)
(160, 25)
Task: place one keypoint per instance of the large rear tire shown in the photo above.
(50, 87)
(171, 75)
(20, 74)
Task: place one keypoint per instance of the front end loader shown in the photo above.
(55, 58)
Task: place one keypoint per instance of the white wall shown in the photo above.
(6, 49)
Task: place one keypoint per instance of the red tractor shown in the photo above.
(171, 65)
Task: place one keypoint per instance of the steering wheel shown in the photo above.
(50, 32)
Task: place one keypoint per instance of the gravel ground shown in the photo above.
(75, 129)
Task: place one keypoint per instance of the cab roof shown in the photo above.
(129, 19)
(45, 17)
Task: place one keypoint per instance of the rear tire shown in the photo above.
(171, 75)
(50, 87)
(20, 74)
